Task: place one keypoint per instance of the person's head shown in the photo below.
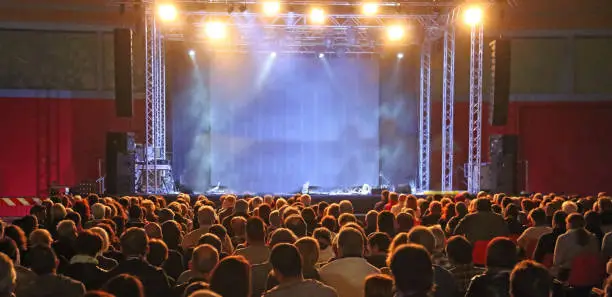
(97, 211)
(134, 242)
(241, 207)
(412, 269)
(386, 222)
(40, 237)
(232, 277)
(459, 250)
(323, 237)
(42, 259)
(399, 239)
(275, 219)
(405, 221)
(158, 252)
(435, 207)
(309, 249)
(9, 248)
(530, 279)
(379, 242)
(171, 233)
(575, 221)
(88, 243)
(255, 231)
(558, 220)
(296, 224)
(592, 219)
(378, 285)
(330, 223)
(346, 218)
(393, 197)
(238, 226)
(345, 206)
(286, 262)
(67, 229)
(206, 216)
(203, 293)
(205, 258)
(350, 243)
(15, 233)
(537, 216)
(483, 204)
(440, 236)
(423, 236)
(135, 213)
(124, 285)
(212, 240)
(8, 276)
(501, 253)
(569, 207)
(371, 219)
(384, 196)
(281, 235)
(153, 230)
(165, 215)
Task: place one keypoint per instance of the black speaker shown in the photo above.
(120, 163)
(501, 51)
(123, 72)
(503, 168)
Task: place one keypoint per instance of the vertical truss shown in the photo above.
(475, 125)
(448, 98)
(424, 115)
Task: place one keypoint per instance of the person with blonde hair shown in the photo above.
(40, 237)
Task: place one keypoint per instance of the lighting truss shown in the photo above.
(448, 102)
(425, 116)
(475, 124)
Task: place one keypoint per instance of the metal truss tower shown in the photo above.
(425, 116)
(475, 109)
(448, 103)
(155, 175)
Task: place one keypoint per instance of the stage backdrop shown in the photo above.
(264, 123)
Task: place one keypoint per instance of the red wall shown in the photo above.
(568, 145)
(55, 140)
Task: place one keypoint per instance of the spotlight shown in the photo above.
(216, 30)
(473, 15)
(167, 12)
(400, 55)
(273, 54)
(321, 55)
(369, 8)
(395, 32)
(317, 15)
(191, 53)
(271, 8)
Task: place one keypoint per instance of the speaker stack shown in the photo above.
(123, 72)
(501, 52)
(501, 174)
(120, 163)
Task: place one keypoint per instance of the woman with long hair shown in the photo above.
(232, 277)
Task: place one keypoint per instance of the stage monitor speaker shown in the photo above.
(123, 72)
(120, 163)
(501, 51)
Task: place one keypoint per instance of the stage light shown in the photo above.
(191, 53)
(400, 55)
(396, 32)
(216, 30)
(167, 12)
(369, 8)
(273, 54)
(321, 55)
(271, 8)
(317, 15)
(473, 15)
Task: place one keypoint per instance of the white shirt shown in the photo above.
(347, 275)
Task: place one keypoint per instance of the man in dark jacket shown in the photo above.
(495, 282)
(483, 224)
(134, 245)
(84, 265)
(47, 282)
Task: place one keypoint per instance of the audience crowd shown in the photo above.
(439, 246)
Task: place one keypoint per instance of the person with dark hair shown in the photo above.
(393, 200)
(405, 222)
(84, 265)
(158, 252)
(135, 217)
(124, 285)
(482, 224)
(232, 277)
(459, 251)
(593, 224)
(310, 218)
(371, 219)
(330, 223)
(511, 216)
(378, 243)
(16, 234)
(226, 241)
(256, 251)
(378, 285)
(296, 224)
(575, 241)
(502, 255)
(546, 244)
(324, 237)
(530, 279)
(384, 199)
(287, 267)
(214, 241)
(40, 212)
(530, 237)
(171, 233)
(460, 212)
(386, 223)
(24, 275)
(412, 269)
(434, 214)
(134, 246)
(281, 235)
(347, 272)
(43, 262)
